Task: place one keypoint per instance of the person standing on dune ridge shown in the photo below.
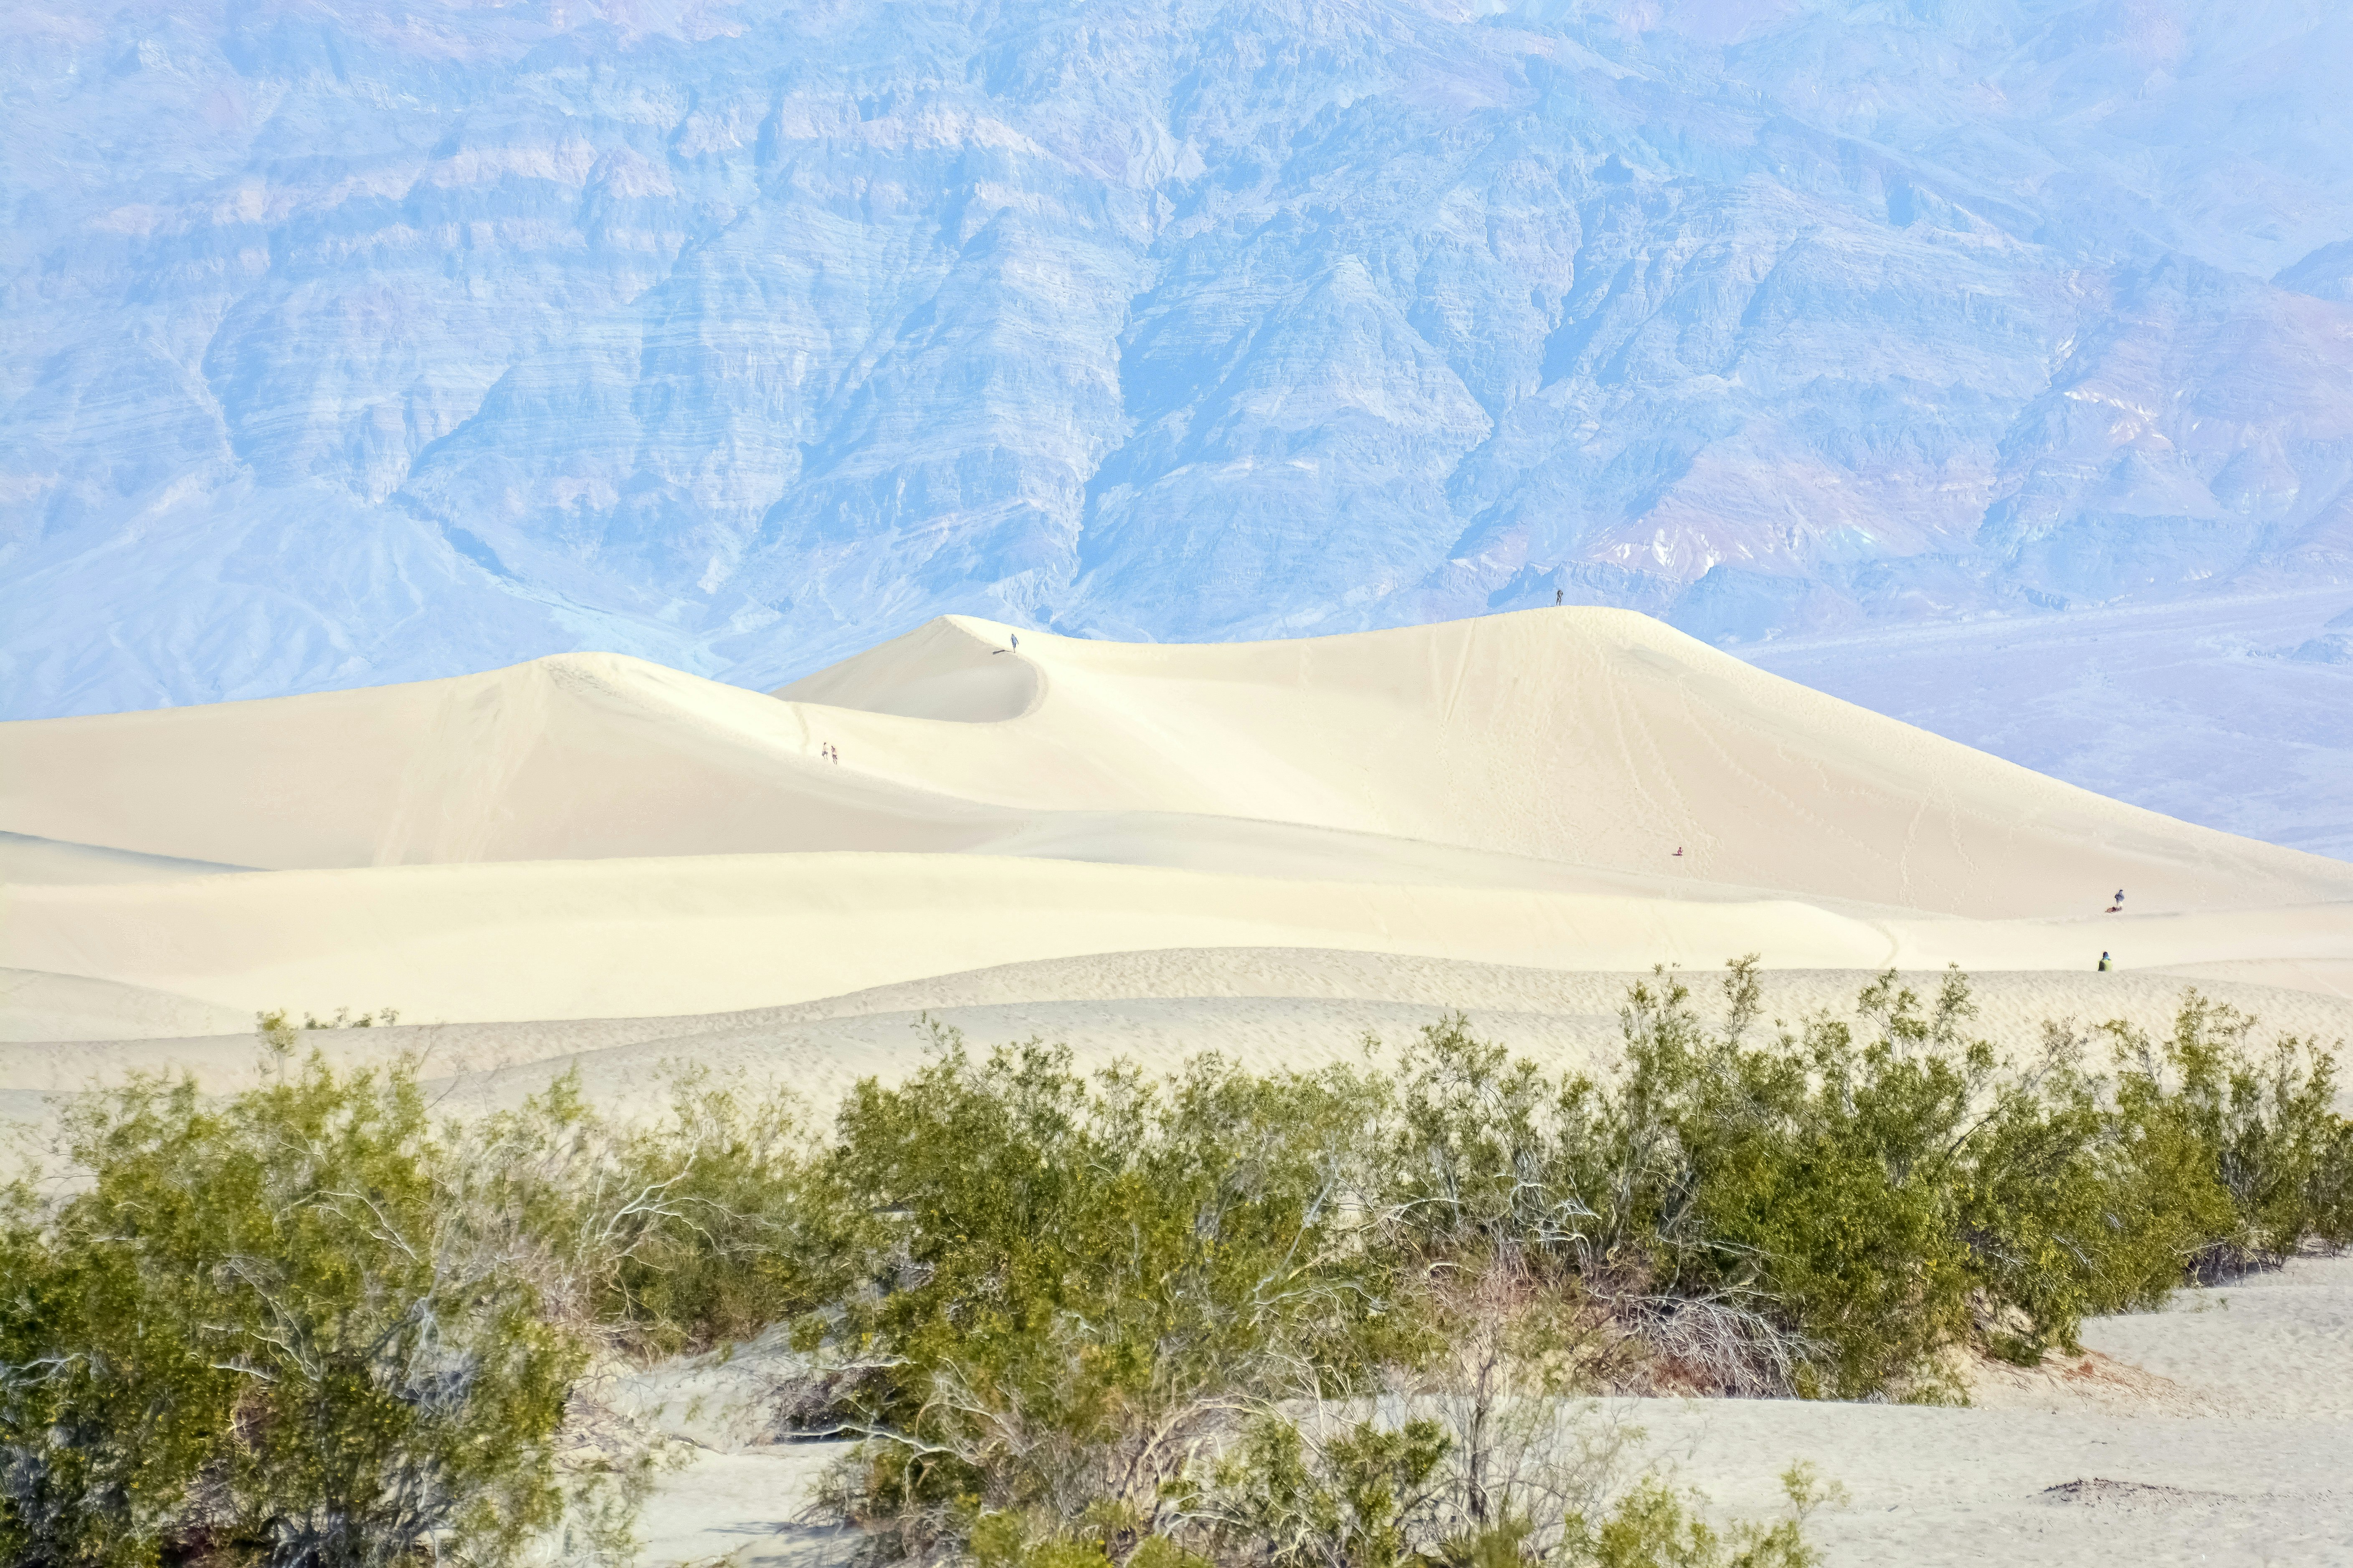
(2104, 965)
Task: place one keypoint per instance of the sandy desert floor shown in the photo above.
(2213, 1433)
(1266, 1007)
(592, 864)
(2216, 1432)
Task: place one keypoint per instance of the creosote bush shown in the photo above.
(262, 1331)
(1332, 1320)
(1079, 1282)
(1113, 1313)
(693, 1229)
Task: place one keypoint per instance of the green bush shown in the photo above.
(1653, 1526)
(1831, 1209)
(260, 1331)
(109, 1409)
(1080, 1280)
(1802, 1182)
(1110, 1321)
(1368, 1496)
(2236, 1151)
(702, 1226)
(1375, 1494)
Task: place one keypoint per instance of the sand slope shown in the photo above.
(1299, 1007)
(591, 864)
(591, 836)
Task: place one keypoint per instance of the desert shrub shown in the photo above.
(702, 1224)
(1749, 1218)
(1102, 1299)
(1379, 1493)
(1799, 1182)
(1083, 1279)
(108, 1408)
(1886, 1192)
(1829, 1209)
(259, 1330)
(2043, 1199)
(1506, 1339)
(2235, 1150)
(1365, 1495)
(1655, 1526)
(1111, 1321)
(279, 1029)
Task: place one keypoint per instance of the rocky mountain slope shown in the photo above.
(385, 342)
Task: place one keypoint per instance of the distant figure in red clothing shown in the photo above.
(1679, 851)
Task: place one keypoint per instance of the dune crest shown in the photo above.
(593, 835)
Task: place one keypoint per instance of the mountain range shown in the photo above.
(356, 342)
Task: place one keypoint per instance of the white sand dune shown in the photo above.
(591, 864)
(598, 939)
(1269, 1007)
(595, 837)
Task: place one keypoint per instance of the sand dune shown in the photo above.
(1269, 1006)
(600, 939)
(594, 837)
(594, 865)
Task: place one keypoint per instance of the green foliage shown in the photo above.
(2042, 1202)
(695, 1228)
(1828, 1211)
(1366, 1495)
(1375, 1495)
(1806, 1176)
(261, 1331)
(108, 1408)
(275, 1025)
(1106, 1321)
(1655, 1526)
(2236, 1151)
(1081, 1276)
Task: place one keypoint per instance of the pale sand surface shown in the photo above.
(2254, 1474)
(1270, 849)
(38, 1005)
(595, 837)
(617, 938)
(1265, 1007)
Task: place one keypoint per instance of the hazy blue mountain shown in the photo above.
(364, 341)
